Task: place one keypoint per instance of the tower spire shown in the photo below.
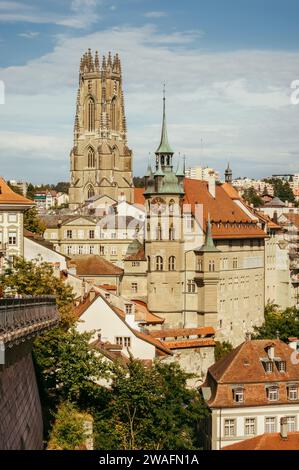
(209, 242)
(164, 146)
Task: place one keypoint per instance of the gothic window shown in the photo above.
(113, 114)
(159, 232)
(148, 263)
(90, 192)
(162, 160)
(171, 206)
(171, 232)
(91, 158)
(159, 263)
(168, 160)
(211, 265)
(90, 115)
(171, 263)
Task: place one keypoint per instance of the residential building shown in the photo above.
(202, 173)
(95, 270)
(249, 390)
(108, 236)
(12, 208)
(101, 162)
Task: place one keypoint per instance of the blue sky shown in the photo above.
(228, 65)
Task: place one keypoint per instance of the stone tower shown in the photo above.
(101, 162)
(164, 247)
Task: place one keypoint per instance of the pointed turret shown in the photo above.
(208, 245)
(97, 62)
(164, 146)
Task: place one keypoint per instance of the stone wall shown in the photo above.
(21, 425)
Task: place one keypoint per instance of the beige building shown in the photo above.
(204, 252)
(12, 208)
(108, 236)
(101, 162)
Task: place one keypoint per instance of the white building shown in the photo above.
(202, 173)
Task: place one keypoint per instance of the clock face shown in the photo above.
(158, 205)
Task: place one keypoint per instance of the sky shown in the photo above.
(228, 66)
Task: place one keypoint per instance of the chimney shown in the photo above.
(212, 185)
(275, 217)
(248, 336)
(284, 427)
(92, 295)
(271, 352)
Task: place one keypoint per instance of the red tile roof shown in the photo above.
(269, 441)
(139, 256)
(293, 218)
(231, 191)
(8, 196)
(138, 196)
(150, 318)
(228, 219)
(183, 332)
(244, 366)
(190, 343)
(94, 265)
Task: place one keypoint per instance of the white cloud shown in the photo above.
(83, 13)
(155, 14)
(236, 102)
(29, 34)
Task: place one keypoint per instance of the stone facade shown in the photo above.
(21, 425)
(101, 162)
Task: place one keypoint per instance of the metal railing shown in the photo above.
(26, 315)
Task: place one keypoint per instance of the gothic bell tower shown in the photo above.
(100, 160)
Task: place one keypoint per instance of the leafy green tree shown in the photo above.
(149, 408)
(32, 222)
(282, 189)
(138, 181)
(30, 191)
(222, 349)
(68, 431)
(62, 187)
(278, 323)
(250, 195)
(16, 189)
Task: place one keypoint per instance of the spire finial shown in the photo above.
(164, 146)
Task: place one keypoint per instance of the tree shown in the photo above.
(30, 191)
(250, 195)
(32, 222)
(282, 189)
(68, 431)
(149, 408)
(222, 349)
(138, 181)
(62, 187)
(15, 189)
(278, 323)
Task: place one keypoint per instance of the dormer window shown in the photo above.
(272, 393)
(238, 395)
(268, 366)
(292, 392)
(281, 366)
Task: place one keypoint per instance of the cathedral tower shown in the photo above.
(101, 162)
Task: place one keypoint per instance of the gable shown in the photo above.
(79, 221)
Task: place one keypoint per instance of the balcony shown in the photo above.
(23, 319)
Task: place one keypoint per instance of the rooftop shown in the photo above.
(269, 441)
(94, 265)
(8, 196)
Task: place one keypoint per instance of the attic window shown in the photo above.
(238, 395)
(281, 366)
(272, 393)
(268, 366)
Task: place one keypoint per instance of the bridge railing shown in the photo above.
(22, 316)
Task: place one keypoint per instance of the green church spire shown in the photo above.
(164, 146)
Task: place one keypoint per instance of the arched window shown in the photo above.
(149, 264)
(91, 161)
(90, 192)
(159, 232)
(159, 263)
(90, 115)
(171, 263)
(113, 114)
(171, 232)
(162, 160)
(171, 206)
(211, 265)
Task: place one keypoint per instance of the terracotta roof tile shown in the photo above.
(94, 265)
(183, 332)
(244, 366)
(8, 196)
(190, 343)
(139, 256)
(138, 196)
(293, 218)
(231, 191)
(271, 441)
